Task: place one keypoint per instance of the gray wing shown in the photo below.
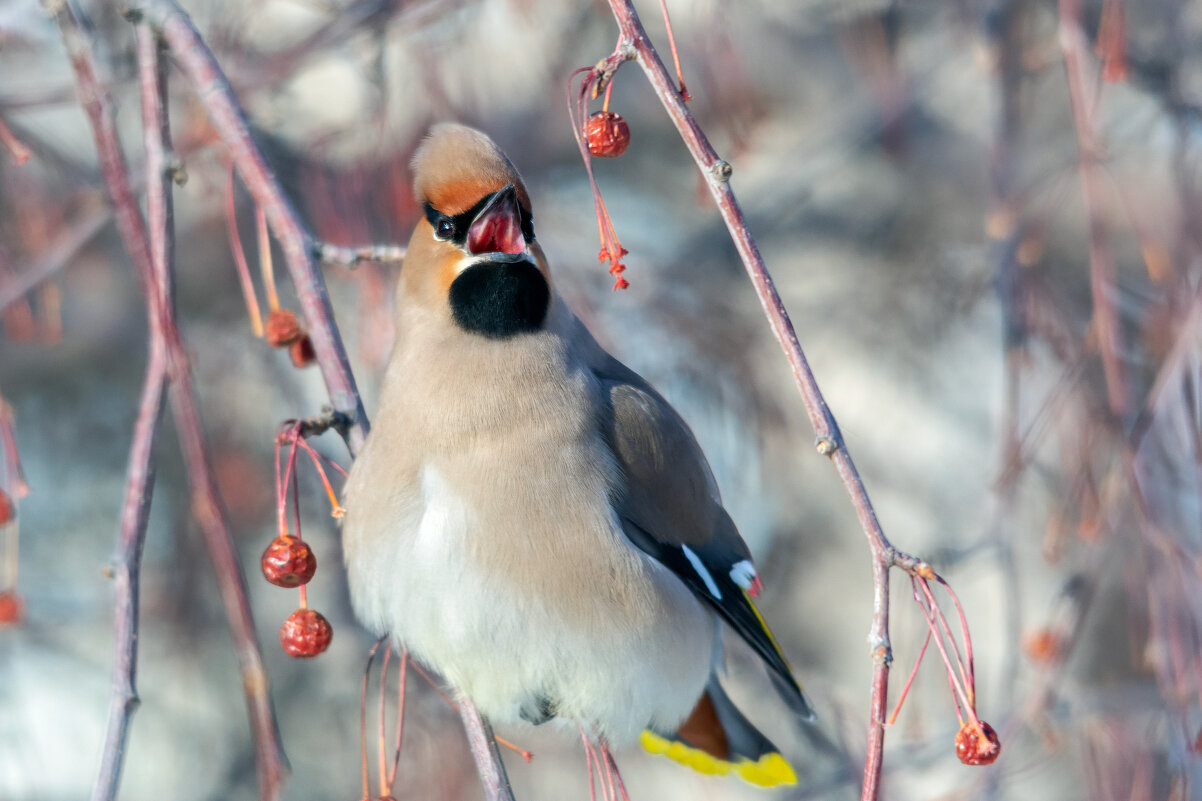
(669, 507)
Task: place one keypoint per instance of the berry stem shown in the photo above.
(969, 660)
(248, 287)
(400, 716)
(336, 509)
(385, 788)
(959, 696)
(684, 93)
(524, 754)
(922, 652)
(265, 264)
(946, 628)
(588, 761)
(371, 656)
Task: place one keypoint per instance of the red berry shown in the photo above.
(7, 512)
(282, 328)
(608, 134)
(973, 749)
(288, 562)
(12, 608)
(305, 634)
(301, 351)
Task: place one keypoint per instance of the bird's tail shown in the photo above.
(717, 739)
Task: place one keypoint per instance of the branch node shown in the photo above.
(321, 423)
(825, 445)
(174, 169)
(721, 170)
(627, 51)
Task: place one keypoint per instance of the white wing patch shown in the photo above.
(743, 574)
(695, 561)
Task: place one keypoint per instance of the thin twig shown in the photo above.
(212, 88)
(18, 151)
(61, 251)
(239, 253)
(352, 257)
(140, 473)
(1083, 85)
(829, 441)
(151, 255)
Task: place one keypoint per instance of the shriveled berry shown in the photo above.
(301, 351)
(7, 510)
(12, 608)
(608, 134)
(305, 634)
(282, 328)
(973, 749)
(288, 562)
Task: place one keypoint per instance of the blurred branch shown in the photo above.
(18, 151)
(151, 254)
(1083, 87)
(62, 249)
(350, 258)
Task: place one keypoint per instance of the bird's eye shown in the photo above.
(445, 229)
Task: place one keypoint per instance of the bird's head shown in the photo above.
(474, 254)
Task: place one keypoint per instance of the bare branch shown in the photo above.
(213, 89)
(140, 473)
(64, 248)
(352, 257)
(151, 253)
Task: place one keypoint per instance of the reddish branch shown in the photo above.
(635, 44)
(193, 57)
(140, 472)
(212, 88)
(1083, 91)
(65, 246)
(151, 253)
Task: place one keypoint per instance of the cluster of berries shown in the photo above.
(283, 330)
(289, 561)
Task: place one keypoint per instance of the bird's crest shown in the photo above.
(456, 166)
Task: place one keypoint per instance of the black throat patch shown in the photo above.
(500, 299)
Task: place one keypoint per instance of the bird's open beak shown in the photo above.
(498, 226)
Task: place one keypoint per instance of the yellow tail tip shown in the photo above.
(771, 770)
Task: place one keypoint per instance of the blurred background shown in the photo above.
(991, 254)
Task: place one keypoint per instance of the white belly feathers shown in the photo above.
(505, 645)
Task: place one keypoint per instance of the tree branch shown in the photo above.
(140, 473)
(152, 258)
(634, 43)
(213, 89)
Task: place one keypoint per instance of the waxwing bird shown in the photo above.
(528, 516)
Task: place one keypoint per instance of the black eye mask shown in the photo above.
(455, 228)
